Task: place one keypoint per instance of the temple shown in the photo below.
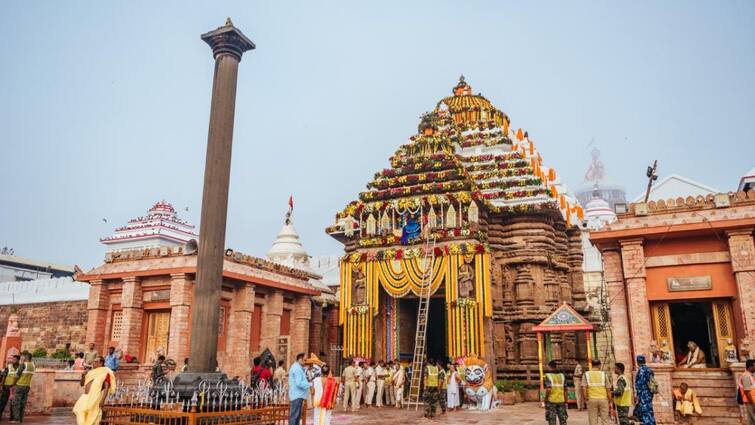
(470, 194)
(160, 227)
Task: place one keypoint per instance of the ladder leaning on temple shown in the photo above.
(420, 338)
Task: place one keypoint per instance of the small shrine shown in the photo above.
(161, 227)
(506, 250)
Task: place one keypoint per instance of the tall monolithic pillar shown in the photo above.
(132, 301)
(228, 44)
(633, 264)
(98, 307)
(180, 314)
(614, 278)
(742, 253)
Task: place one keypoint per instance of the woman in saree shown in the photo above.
(98, 383)
(324, 395)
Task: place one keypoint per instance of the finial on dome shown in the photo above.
(228, 22)
(462, 88)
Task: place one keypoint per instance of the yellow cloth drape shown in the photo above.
(465, 321)
(87, 407)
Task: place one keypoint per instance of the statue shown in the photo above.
(13, 329)
(410, 231)
(478, 383)
(730, 352)
(466, 281)
(359, 287)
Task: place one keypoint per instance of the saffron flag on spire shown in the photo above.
(291, 203)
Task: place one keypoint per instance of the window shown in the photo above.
(285, 328)
(116, 326)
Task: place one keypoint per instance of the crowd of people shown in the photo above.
(386, 384)
(380, 384)
(595, 390)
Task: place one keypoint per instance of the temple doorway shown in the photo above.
(708, 323)
(436, 328)
(693, 321)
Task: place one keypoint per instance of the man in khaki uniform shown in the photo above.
(349, 379)
(596, 385)
(578, 372)
(390, 392)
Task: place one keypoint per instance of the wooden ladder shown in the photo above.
(421, 334)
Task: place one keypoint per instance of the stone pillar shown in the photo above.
(663, 405)
(98, 307)
(181, 295)
(301, 314)
(131, 301)
(271, 323)
(333, 330)
(742, 253)
(617, 308)
(315, 330)
(228, 44)
(576, 276)
(633, 264)
(240, 327)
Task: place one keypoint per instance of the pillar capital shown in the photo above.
(228, 40)
(740, 232)
(631, 242)
(130, 279)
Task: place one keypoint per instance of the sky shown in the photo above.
(104, 106)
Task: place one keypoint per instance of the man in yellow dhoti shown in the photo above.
(97, 383)
(324, 395)
(686, 401)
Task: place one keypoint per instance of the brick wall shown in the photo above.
(49, 325)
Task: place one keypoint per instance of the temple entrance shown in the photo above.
(693, 321)
(436, 328)
(708, 323)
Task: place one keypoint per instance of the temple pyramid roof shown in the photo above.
(465, 152)
(160, 227)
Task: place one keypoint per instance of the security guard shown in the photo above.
(622, 395)
(21, 389)
(555, 399)
(432, 385)
(597, 388)
(10, 374)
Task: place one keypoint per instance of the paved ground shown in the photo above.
(524, 413)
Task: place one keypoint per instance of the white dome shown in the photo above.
(598, 213)
(287, 244)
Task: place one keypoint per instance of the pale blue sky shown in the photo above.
(104, 105)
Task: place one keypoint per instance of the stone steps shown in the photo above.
(716, 391)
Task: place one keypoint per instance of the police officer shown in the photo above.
(432, 385)
(555, 400)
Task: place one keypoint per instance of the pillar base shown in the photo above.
(219, 390)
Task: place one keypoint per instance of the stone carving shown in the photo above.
(359, 287)
(13, 329)
(466, 281)
(479, 383)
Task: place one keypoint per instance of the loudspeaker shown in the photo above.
(191, 247)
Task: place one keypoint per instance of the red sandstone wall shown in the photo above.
(49, 325)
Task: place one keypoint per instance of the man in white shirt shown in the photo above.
(399, 377)
(380, 372)
(370, 378)
(360, 382)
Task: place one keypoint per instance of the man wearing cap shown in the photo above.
(555, 397)
(644, 388)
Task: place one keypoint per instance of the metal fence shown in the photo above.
(223, 403)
